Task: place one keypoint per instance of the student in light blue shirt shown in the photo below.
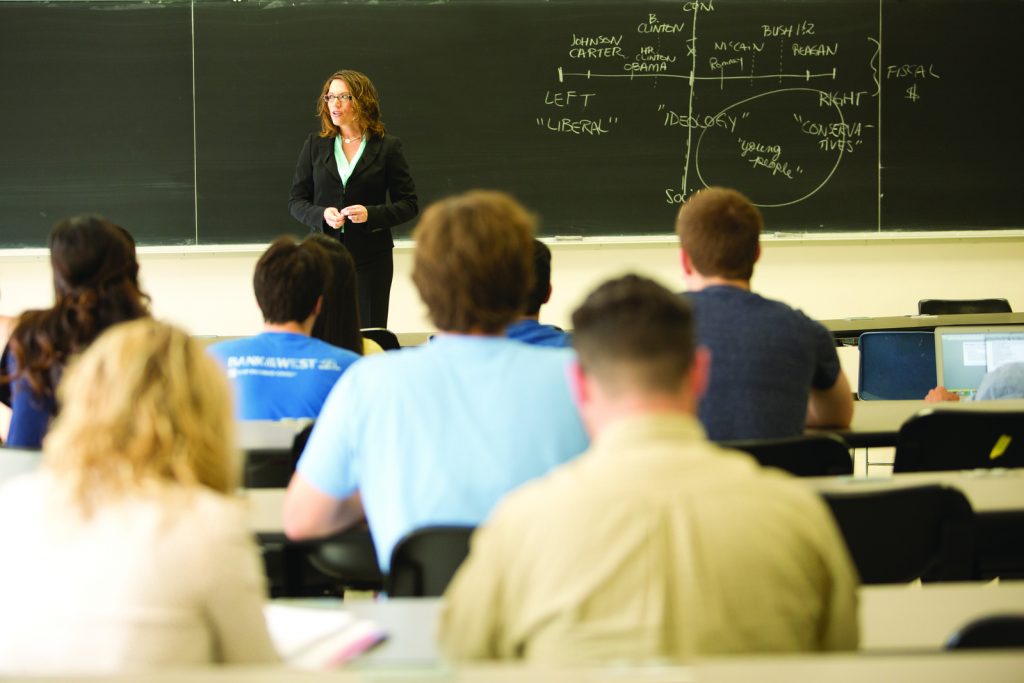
(283, 372)
(1004, 382)
(438, 434)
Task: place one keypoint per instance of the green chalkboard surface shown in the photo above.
(183, 120)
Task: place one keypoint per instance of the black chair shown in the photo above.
(349, 558)
(997, 631)
(896, 365)
(954, 306)
(424, 561)
(268, 468)
(813, 455)
(902, 534)
(387, 339)
(958, 439)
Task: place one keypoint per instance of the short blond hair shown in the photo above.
(143, 407)
(473, 263)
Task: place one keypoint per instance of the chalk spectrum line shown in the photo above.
(807, 75)
(689, 112)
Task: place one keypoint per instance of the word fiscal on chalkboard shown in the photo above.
(183, 120)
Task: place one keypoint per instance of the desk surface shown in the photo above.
(254, 435)
(906, 618)
(990, 667)
(989, 491)
(850, 328)
(877, 423)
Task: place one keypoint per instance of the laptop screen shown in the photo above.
(964, 354)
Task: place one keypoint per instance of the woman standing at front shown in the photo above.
(352, 182)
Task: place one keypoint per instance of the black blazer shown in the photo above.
(381, 171)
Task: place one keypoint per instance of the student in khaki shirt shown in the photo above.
(655, 543)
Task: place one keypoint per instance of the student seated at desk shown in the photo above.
(654, 543)
(436, 434)
(528, 328)
(125, 550)
(283, 372)
(338, 321)
(95, 284)
(1006, 381)
(774, 371)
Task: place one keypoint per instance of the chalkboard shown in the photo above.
(183, 120)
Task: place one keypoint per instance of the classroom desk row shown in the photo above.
(989, 492)
(875, 423)
(846, 330)
(990, 667)
(897, 618)
(996, 496)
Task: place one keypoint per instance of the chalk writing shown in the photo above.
(568, 98)
(792, 138)
(594, 127)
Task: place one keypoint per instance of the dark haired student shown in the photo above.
(352, 182)
(95, 285)
(283, 372)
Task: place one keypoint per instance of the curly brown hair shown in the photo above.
(364, 101)
(95, 282)
(473, 263)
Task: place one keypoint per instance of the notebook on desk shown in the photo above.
(964, 354)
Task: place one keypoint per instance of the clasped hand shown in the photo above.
(335, 218)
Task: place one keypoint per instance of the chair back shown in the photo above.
(955, 306)
(896, 365)
(424, 561)
(902, 534)
(268, 468)
(349, 558)
(387, 339)
(996, 631)
(809, 455)
(956, 439)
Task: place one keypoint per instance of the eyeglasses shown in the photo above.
(344, 97)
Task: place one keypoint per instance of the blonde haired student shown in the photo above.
(125, 550)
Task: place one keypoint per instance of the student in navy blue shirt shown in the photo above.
(283, 372)
(528, 328)
(773, 369)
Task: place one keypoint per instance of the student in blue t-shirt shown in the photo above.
(437, 434)
(283, 372)
(528, 328)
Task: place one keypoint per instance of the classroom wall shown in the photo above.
(211, 293)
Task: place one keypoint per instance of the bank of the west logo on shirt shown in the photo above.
(278, 365)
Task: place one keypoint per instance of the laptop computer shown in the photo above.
(965, 353)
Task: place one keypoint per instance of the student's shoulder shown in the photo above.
(231, 347)
(326, 350)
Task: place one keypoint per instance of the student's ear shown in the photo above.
(757, 254)
(578, 384)
(700, 372)
(687, 264)
(547, 297)
(319, 305)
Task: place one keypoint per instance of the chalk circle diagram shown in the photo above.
(771, 120)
